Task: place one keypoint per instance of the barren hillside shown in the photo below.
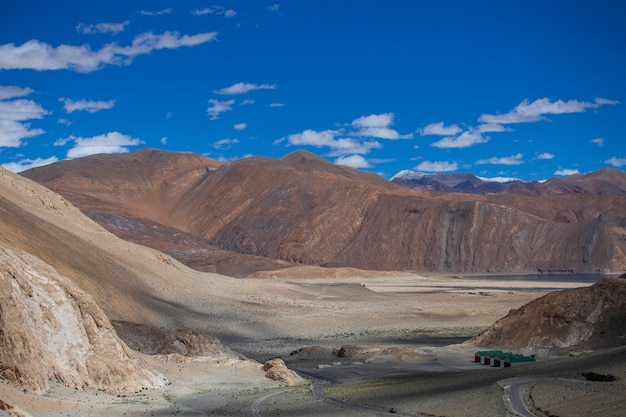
(592, 317)
(303, 209)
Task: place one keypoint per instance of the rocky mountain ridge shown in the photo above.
(589, 317)
(259, 213)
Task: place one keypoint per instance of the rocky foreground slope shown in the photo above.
(51, 330)
(259, 213)
(592, 316)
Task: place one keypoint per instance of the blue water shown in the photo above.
(586, 278)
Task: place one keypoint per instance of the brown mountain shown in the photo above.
(303, 209)
(592, 316)
(607, 181)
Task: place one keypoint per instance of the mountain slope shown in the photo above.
(592, 316)
(303, 209)
(52, 330)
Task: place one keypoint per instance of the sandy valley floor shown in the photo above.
(424, 316)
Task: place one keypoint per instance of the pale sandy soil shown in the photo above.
(283, 313)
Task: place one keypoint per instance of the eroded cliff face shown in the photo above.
(51, 330)
(592, 316)
(305, 210)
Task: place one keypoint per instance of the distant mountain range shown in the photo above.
(258, 214)
(607, 181)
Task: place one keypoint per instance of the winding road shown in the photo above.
(516, 394)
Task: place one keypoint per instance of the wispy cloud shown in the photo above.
(598, 141)
(157, 13)
(15, 113)
(545, 155)
(440, 130)
(240, 126)
(354, 161)
(516, 159)
(86, 105)
(112, 142)
(25, 164)
(112, 28)
(218, 107)
(526, 112)
(437, 166)
(564, 172)
(242, 88)
(41, 56)
(218, 10)
(274, 7)
(11, 91)
(616, 162)
(276, 105)
(225, 143)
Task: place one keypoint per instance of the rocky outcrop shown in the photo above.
(301, 209)
(276, 370)
(51, 330)
(184, 342)
(592, 316)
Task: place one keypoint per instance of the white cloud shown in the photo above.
(491, 127)
(113, 28)
(566, 172)
(354, 161)
(202, 12)
(598, 141)
(545, 155)
(498, 179)
(277, 105)
(219, 107)
(225, 143)
(437, 166)
(274, 7)
(616, 162)
(532, 112)
(246, 101)
(14, 113)
(344, 146)
(10, 91)
(41, 56)
(377, 126)
(464, 140)
(440, 130)
(157, 13)
(164, 140)
(218, 10)
(12, 132)
(312, 138)
(374, 120)
(86, 105)
(240, 126)
(507, 160)
(25, 164)
(64, 122)
(330, 138)
(112, 142)
(242, 88)
(20, 110)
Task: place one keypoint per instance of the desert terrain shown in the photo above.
(412, 326)
(363, 342)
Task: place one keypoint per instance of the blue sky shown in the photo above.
(515, 89)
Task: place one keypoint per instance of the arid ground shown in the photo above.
(405, 332)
